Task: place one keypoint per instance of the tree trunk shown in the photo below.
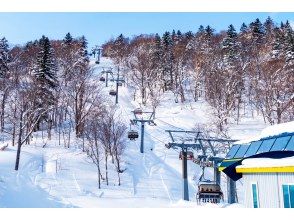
(118, 168)
(106, 167)
(2, 112)
(19, 141)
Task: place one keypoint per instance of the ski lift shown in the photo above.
(97, 62)
(138, 111)
(112, 92)
(190, 155)
(119, 83)
(209, 191)
(133, 135)
(102, 79)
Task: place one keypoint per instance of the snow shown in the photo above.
(278, 129)
(270, 131)
(55, 176)
(267, 162)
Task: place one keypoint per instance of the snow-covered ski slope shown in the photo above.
(55, 176)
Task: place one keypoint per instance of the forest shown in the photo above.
(238, 73)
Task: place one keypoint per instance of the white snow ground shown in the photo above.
(55, 176)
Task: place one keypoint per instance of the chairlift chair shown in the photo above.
(102, 79)
(133, 135)
(209, 191)
(119, 83)
(190, 155)
(138, 111)
(112, 92)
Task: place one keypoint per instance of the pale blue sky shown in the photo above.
(19, 28)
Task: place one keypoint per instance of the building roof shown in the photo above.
(277, 143)
(274, 142)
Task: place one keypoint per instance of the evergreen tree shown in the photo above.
(208, 32)
(68, 39)
(158, 48)
(4, 57)
(257, 31)
(230, 46)
(45, 74)
(269, 25)
(289, 44)
(201, 29)
(277, 46)
(243, 28)
(83, 48)
(174, 35)
(167, 43)
(189, 35)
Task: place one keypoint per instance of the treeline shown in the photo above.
(237, 73)
(48, 85)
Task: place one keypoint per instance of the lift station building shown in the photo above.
(266, 166)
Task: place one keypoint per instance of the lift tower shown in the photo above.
(197, 143)
(118, 81)
(149, 120)
(183, 146)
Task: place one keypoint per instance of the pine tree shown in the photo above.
(230, 46)
(289, 43)
(45, 74)
(167, 43)
(158, 48)
(4, 57)
(257, 31)
(277, 45)
(83, 48)
(269, 25)
(68, 39)
(201, 29)
(189, 35)
(243, 28)
(208, 32)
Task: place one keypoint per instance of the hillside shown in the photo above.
(55, 176)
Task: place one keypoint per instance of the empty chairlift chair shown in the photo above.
(102, 79)
(133, 135)
(209, 192)
(138, 111)
(112, 92)
(190, 155)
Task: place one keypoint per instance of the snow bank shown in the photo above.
(271, 131)
(278, 129)
(267, 162)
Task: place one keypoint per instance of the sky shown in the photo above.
(18, 28)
